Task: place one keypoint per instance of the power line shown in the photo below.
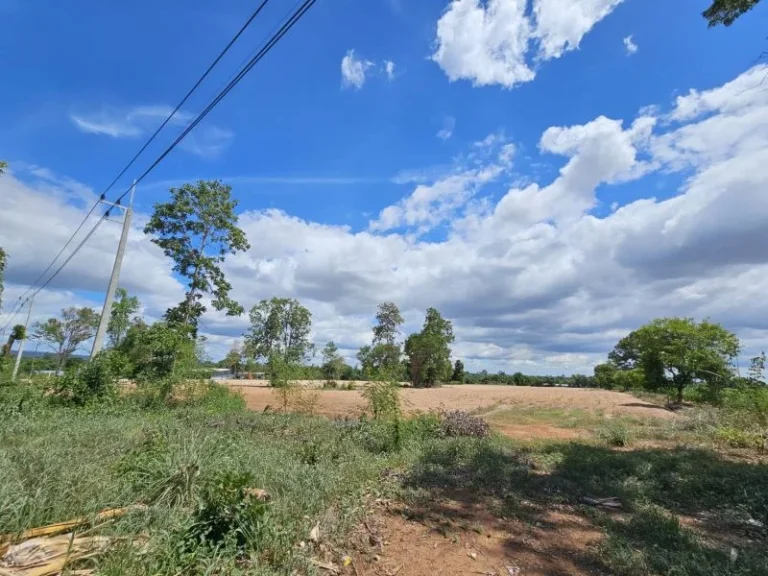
(186, 97)
(74, 252)
(102, 196)
(13, 315)
(297, 15)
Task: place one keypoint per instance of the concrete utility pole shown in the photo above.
(20, 351)
(106, 312)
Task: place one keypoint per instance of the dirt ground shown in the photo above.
(465, 397)
(451, 539)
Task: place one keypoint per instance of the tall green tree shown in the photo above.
(726, 12)
(333, 363)
(197, 229)
(458, 372)
(429, 351)
(382, 358)
(65, 335)
(677, 352)
(388, 322)
(124, 309)
(3, 167)
(234, 360)
(280, 328)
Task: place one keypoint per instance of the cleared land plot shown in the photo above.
(472, 398)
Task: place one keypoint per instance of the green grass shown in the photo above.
(190, 465)
(60, 463)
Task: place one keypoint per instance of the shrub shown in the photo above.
(227, 512)
(383, 399)
(460, 423)
(94, 381)
(737, 438)
(330, 385)
(614, 433)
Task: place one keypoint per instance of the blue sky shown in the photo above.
(84, 82)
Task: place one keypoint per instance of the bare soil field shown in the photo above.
(258, 396)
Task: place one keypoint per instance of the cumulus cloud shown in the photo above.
(498, 42)
(629, 45)
(38, 213)
(531, 276)
(353, 70)
(206, 141)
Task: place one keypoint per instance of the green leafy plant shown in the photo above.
(227, 511)
(94, 381)
(614, 433)
(383, 400)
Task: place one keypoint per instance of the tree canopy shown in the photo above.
(197, 229)
(280, 328)
(333, 363)
(65, 335)
(429, 352)
(675, 353)
(124, 309)
(726, 12)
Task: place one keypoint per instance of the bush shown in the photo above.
(383, 399)
(460, 423)
(227, 512)
(94, 381)
(736, 438)
(614, 433)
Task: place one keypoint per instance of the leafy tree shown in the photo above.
(159, 355)
(3, 167)
(676, 352)
(123, 309)
(388, 320)
(17, 334)
(333, 363)
(65, 335)
(429, 352)
(234, 360)
(604, 375)
(458, 372)
(757, 369)
(197, 229)
(280, 329)
(726, 12)
(382, 358)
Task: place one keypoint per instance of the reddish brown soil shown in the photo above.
(350, 403)
(451, 538)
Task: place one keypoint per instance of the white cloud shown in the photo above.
(206, 141)
(389, 68)
(561, 24)
(486, 45)
(58, 205)
(495, 43)
(353, 70)
(447, 130)
(532, 279)
(630, 45)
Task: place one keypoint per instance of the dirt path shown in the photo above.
(350, 403)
